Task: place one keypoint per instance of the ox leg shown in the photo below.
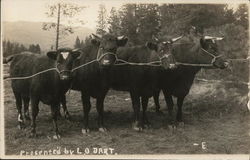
(156, 100)
(100, 108)
(34, 112)
(54, 113)
(86, 108)
(26, 101)
(65, 109)
(19, 110)
(136, 107)
(179, 111)
(170, 106)
(145, 121)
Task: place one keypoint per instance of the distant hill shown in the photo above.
(32, 33)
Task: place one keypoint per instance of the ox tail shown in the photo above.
(7, 59)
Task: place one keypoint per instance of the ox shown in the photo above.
(90, 79)
(139, 76)
(191, 57)
(48, 87)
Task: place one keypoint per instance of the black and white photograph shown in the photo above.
(125, 79)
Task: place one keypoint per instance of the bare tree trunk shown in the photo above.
(58, 24)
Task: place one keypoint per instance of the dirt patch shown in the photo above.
(215, 116)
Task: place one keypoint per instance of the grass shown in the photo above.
(213, 113)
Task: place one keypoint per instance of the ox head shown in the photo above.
(64, 58)
(210, 50)
(163, 50)
(108, 45)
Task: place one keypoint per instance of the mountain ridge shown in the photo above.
(26, 32)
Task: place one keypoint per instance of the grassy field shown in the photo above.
(215, 116)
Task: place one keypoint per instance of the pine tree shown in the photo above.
(129, 23)
(38, 49)
(82, 44)
(242, 15)
(114, 22)
(77, 43)
(22, 48)
(102, 20)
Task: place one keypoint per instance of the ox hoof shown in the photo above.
(102, 129)
(181, 124)
(139, 129)
(172, 127)
(32, 135)
(85, 131)
(136, 126)
(56, 137)
(147, 126)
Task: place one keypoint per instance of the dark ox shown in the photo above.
(191, 57)
(47, 87)
(90, 79)
(140, 78)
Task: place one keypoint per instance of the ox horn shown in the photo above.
(219, 38)
(77, 50)
(121, 37)
(213, 38)
(176, 39)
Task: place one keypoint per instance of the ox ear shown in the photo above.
(52, 54)
(76, 53)
(122, 41)
(152, 46)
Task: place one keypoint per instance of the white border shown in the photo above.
(158, 156)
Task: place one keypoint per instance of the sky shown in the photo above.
(34, 10)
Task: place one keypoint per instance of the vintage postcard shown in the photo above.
(125, 79)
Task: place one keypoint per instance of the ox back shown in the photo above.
(142, 79)
(47, 85)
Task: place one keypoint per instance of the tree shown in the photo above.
(38, 49)
(242, 15)
(177, 19)
(148, 22)
(102, 20)
(77, 43)
(16, 48)
(82, 44)
(129, 22)
(88, 40)
(62, 12)
(22, 48)
(114, 22)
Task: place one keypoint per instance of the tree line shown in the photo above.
(139, 22)
(10, 48)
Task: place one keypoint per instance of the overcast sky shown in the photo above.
(34, 10)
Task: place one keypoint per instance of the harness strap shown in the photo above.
(18, 78)
(201, 65)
